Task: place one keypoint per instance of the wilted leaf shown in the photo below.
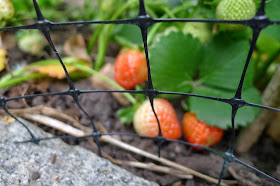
(54, 69)
(3, 58)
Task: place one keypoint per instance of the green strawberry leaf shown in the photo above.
(272, 9)
(269, 39)
(216, 113)
(224, 61)
(126, 115)
(174, 59)
(250, 95)
(128, 36)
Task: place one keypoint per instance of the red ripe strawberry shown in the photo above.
(130, 69)
(198, 132)
(145, 122)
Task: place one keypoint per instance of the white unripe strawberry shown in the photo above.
(6, 10)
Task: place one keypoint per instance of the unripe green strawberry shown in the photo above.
(145, 122)
(235, 10)
(199, 30)
(6, 10)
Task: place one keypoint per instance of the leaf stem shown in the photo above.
(8, 76)
(104, 37)
(168, 13)
(93, 38)
(21, 79)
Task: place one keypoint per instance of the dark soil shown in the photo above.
(103, 107)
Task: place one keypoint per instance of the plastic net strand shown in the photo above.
(259, 22)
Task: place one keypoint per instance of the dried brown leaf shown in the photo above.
(75, 46)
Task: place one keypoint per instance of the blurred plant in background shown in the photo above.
(202, 58)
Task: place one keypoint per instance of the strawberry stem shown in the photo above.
(103, 38)
(167, 14)
(20, 79)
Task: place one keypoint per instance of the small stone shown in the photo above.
(35, 175)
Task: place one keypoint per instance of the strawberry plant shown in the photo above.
(198, 132)
(130, 35)
(182, 61)
(145, 122)
(186, 67)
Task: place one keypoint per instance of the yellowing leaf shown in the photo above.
(54, 69)
(3, 58)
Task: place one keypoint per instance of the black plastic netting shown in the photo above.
(259, 22)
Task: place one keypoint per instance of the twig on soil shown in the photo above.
(149, 166)
(23, 110)
(156, 168)
(177, 183)
(164, 161)
(55, 113)
(76, 132)
(48, 111)
(271, 97)
(54, 124)
(22, 92)
(240, 178)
